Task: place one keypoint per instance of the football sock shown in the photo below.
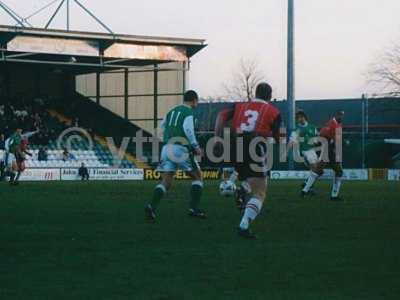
(11, 174)
(253, 208)
(310, 181)
(195, 194)
(337, 183)
(233, 177)
(244, 191)
(158, 194)
(17, 177)
(245, 186)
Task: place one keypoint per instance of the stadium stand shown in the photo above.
(37, 114)
(50, 62)
(106, 124)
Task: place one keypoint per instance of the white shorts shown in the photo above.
(310, 157)
(9, 158)
(177, 157)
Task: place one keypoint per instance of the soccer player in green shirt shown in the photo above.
(305, 135)
(11, 147)
(178, 153)
(15, 154)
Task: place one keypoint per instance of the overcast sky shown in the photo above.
(335, 39)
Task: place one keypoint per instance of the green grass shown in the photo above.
(90, 241)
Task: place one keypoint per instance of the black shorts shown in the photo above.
(336, 166)
(19, 157)
(250, 160)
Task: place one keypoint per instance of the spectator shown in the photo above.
(2, 170)
(2, 162)
(65, 155)
(38, 101)
(2, 141)
(76, 122)
(83, 172)
(9, 111)
(90, 132)
(42, 155)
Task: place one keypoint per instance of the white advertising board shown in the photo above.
(349, 174)
(40, 175)
(281, 175)
(394, 175)
(138, 174)
(104, 174)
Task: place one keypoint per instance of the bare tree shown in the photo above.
(244, 80)
(385, 72)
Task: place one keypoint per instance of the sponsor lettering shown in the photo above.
(150, 174)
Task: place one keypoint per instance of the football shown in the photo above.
(227, 188)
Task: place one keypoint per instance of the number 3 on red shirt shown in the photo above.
(250, 124)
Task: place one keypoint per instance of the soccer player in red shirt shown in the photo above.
(22, 150)
(332, 131)
(254, 122)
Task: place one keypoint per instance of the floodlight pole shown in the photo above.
(291, 101)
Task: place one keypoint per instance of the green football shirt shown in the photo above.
(305, 133)
(15, 140)
(179, 126)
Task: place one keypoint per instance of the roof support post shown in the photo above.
(3, 56)
(98, 88)
(184, 74)
(126, 92)
(155, 102)
(6, 91)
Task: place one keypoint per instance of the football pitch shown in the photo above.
(90, 241)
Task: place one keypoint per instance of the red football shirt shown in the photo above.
(24, 145)
(255, 116)
(329, 130)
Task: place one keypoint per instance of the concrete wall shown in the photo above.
(140, 92)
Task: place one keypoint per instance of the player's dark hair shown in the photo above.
(339, 115)
(190, 96)
(301, 113)
(264, 91)
(339, 112)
